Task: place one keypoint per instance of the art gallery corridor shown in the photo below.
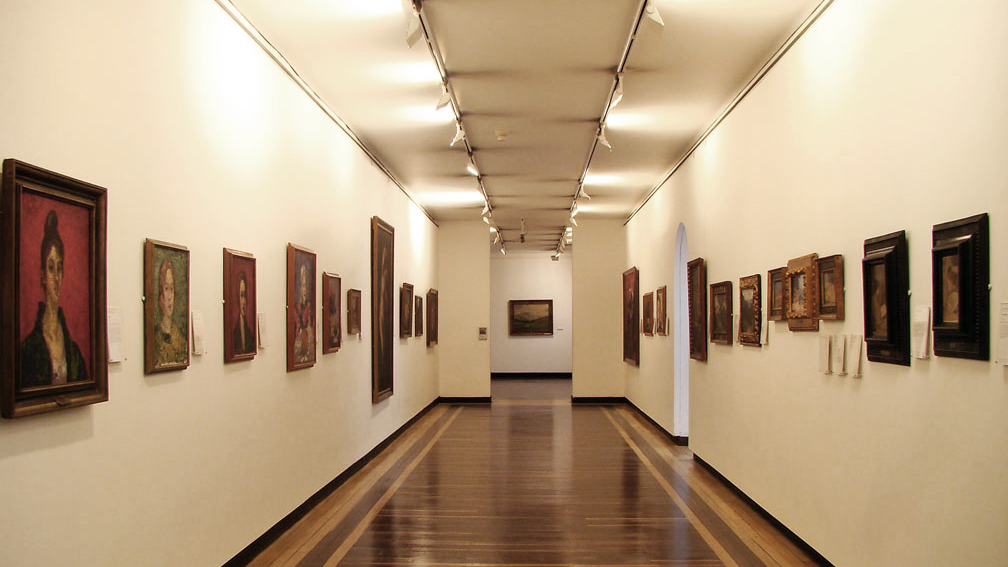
(503, 389)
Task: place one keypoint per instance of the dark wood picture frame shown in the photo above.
(432, 317)
(802, 281)
(777, 296)
(418, 316)
(166, 307)
(406, 311)
(750, 310)
(960, 280)
(885, 272)
(631, 316)
(696, 286)
(721, 313)
(75, 214)
(530, 317)
(302, 341)
(239, 306)
(353, 307)
(647, 314)
(661, 311)
(332, 313)
(832, 287)
(382, 309)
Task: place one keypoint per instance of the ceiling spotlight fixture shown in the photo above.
(601, 137)
(445, 97)
(502, 135)
(574, 209)
(414, 30)
(583, 193)
(618, 93)
(652, 12)
(486, 218)
(459, 134)
(503, 250)
(471, 168)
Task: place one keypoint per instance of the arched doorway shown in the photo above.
(680, 334)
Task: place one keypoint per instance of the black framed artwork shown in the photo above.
(239, 306)
(885, 273)
(432, 317)
(631, 316)
(406, 311)
(776, 295)
(530, 317)
(696, 286)
(382, 308)
(647, 323)
(960, 279)
(332, 313)
(721, 313)
(301, 303)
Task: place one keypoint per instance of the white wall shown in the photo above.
(530, 276)
(464, 298)
(886, 115)
(202, 141)
(598, 264)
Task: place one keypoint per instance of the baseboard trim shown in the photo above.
(245, 556)
(815, 555)
(682, 441)
(531, 375)
(464, 400)
(599, 400)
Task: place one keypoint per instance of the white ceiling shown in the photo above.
(543, 72)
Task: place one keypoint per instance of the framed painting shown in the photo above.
(432, 317)
(353, 311)
(647, 320)
(300, 307)
(332, 316)
(166, 306)
(631, 316)
(382, 308)
(53, 238)
(777, 295)
(239, 306)
(801, 277)
(418, 316)
(696, 289)
(960, 279)
(750, 310)
(661, 313)
(885, 272)
(831, 287)
(530, 317)
(721, 313)
(406, 311)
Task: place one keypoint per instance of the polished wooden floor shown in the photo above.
(532, 480)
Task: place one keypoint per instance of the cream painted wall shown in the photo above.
(597, 267)
(202, 141)
(464, 298)
(886, 115)
(530, 276)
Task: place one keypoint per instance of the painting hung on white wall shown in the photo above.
(530, 317)
(301, 342)
(239, 306)
(166, 306)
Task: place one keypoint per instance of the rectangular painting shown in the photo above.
(382, 308)
(661, 311)
(801, 277)
(831, 287)
(960, 279)
(530, 317)
(418, 316)
(721, 313)
(353, 311)
(647, 320)
(750, 311)
(886, 280)
(406, 311)
(696, 288)
(53, 309)
(777, 295)
(166, 306)
(301, 299)
(239, 306)
(432, 317)
(332, 315)
(631, 316)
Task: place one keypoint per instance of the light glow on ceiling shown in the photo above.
(603, 179)
(427, 114)
(448, 198)
(345, 9)
(422, 72)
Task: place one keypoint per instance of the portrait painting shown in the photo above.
(661, 313)
(418, 316)
(750, 310)
(382, 308)
(406, 311)
(530, 317)
(301, 311)
(332, 313)
(960, 280)
(721, 313)
(54, 230)
(353, 309)
(886, 287)
(777, 299)
(631, 317)
(696, 289)
(239, 306)
(801, 278)
(647, 321)
(831, 287)
(432, 317)
(166, 306)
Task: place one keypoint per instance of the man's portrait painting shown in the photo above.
(332, 315)
(300, 307)
(239, 306)
(166, 306)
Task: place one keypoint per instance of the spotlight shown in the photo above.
(445, 97)
(459, 134)
(652, 12)
(471, 168)
(618, 93)
(602, 139)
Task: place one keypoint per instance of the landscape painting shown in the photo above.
(530, 317)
